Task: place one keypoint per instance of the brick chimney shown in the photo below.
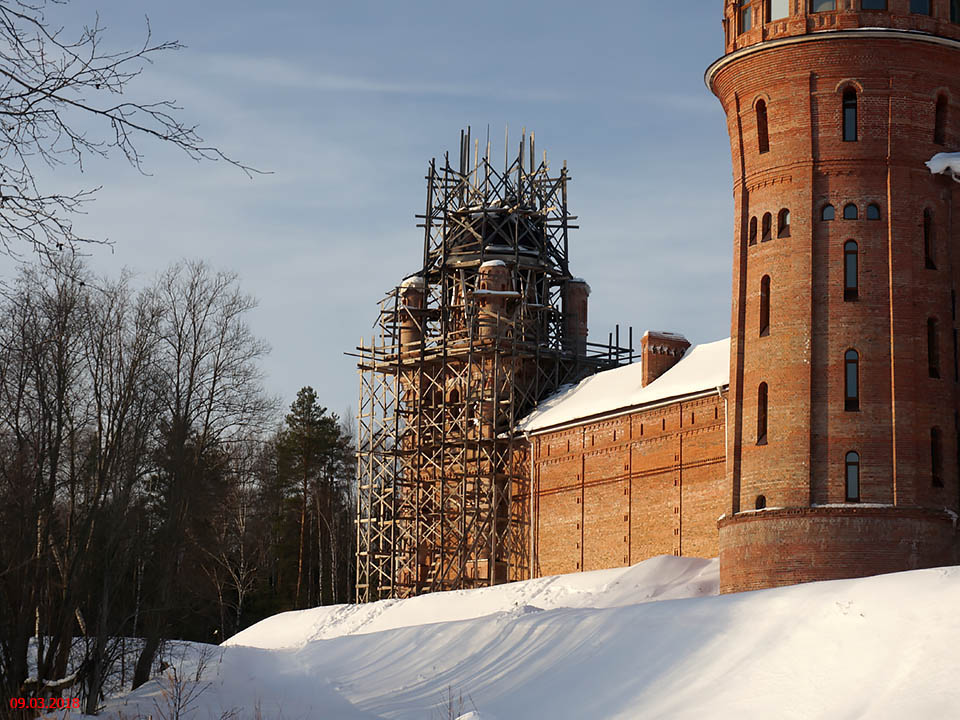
(660, 351)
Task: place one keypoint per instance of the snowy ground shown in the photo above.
(593, 645)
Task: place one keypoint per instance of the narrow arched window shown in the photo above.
(849, 115)
(940, 121)
(753, 231)
(763, 138)
(761, 502)
(765, 306)
(828, 213)
(936, 457)
(850, 212)
(851, 380)
(777, 9)
(762, 414)
(852, 476)
(746, 15)
(920, 7)
(929, 246)
(933, 348)
(767, 227)
(873, 211)
(783, 223)
(851, 282)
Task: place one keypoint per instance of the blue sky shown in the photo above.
(345, 104)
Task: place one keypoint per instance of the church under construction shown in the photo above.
(820, 441)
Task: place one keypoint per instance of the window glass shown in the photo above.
(746, 16)
(873, 5)
(767, 227)
(933, 348)
(783, 223)
(777, 9)
(940, 121)
(851, 380)
(753, 231)
(824, 5)
(765, 306)
(852, 465)
(850, 288)
(850, 116)
(763, 138)
(955, 11)
(762, 414)
(850, 212)
(921, 7)
(873, 212)
(929, 256)
(828, 213)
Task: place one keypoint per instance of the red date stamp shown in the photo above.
(45, 703)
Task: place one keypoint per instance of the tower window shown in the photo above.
(936, 457)
(850, 115)
(761, 502)
(873, 5)
(851, 380)
(824, 5)
(767, 227)
(763, 139)
(850, 212)
(746, 16)
(920, 7)
(777, 9)
(852, 476)
(765, 306)
(873, 211)
(753, 231)
(940, 121)
(929, 250)
(783, 223)
(828, 212)
(762, 414)
(851, 285)
(933, 348)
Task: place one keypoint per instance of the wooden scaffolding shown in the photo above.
(464, 348)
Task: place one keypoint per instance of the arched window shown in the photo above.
(765, 306)
(783, 223)
(763, 138)
(851, 380)
(767, 227)
(454, 397)
(929, 246)
(852, 476)
(920, 7)
(936, 457)
(762, 414)
(850, 212)
(849, 115)
(828, 213)
(761, 502)
(824, 5)
(746, 15)
(873, 211)
(933, 348)
(940, 121)
(777, 9)
(753, 231)
(851, 283)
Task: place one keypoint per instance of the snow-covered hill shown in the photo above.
(593, 645)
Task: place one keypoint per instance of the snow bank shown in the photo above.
(590, 646)
(702, 368)
(945, 163)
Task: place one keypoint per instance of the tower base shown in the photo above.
(771, 548)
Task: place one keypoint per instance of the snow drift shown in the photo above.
(595, 645)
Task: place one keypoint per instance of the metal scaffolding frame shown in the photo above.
(464, 349)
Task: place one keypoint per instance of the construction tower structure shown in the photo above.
(491, 324)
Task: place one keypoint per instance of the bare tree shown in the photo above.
(62, 101)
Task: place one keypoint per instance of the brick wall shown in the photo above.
(614, 492)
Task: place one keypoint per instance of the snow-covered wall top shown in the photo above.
(945, 163)
(703, 367)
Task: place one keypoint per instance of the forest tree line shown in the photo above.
(149, 487)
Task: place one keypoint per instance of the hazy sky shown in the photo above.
(345, 103)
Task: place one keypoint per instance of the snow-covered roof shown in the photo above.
(702, 368)
(945, 163)
(493, 263)
(413, 281)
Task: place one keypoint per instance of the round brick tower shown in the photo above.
(844, 420)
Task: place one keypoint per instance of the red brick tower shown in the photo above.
(843, 373)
